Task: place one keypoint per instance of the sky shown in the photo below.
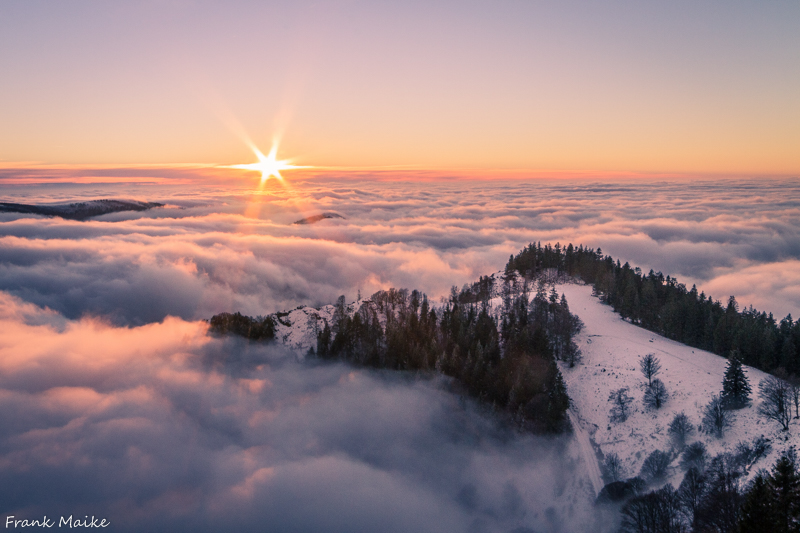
(626, 87)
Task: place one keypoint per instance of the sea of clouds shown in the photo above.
(114, 401)
(218, 249)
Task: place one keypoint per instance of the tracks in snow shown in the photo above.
(587, 451)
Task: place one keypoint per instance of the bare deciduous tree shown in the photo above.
(655, 512)
(794, 389)
(716, 418)
(747, 453)
(655, 466)
(720, 506)
(691, 492)
(776, 398)
(680, 429)
(613, 467)
(694, 456)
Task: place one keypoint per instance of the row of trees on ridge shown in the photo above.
(665, 306)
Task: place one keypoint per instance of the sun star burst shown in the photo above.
(268, 165)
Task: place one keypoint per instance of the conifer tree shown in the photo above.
(735, 387)
(784, 481)
(558, 400)
(757, 510)
(324, 341)
(650, 366)
(656, 394)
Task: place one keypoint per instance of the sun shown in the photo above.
(268, 165)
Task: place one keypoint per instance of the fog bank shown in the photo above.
(162, 428)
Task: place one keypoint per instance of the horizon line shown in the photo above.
(304, 172)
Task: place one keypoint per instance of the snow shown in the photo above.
(586, 450)
(79, 210)
(298, 330)
(611, 350)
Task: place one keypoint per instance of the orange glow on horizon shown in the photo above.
(24, 173)
(269, 166)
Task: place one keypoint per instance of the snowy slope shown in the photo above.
(298, 329)
(611, 350)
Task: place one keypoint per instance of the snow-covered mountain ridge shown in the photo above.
(611, 350)
(79, 210)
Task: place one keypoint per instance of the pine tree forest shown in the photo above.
(505, 357)
(508, 363)
(662, 305)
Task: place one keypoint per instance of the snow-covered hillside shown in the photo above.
(298, 329)
(611, 350)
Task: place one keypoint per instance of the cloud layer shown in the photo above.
(219, 248)
(114, 402)
(162, 428)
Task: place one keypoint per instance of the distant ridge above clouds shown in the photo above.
(316, 218)
(79, 210)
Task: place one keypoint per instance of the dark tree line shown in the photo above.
(715, 498)
(257, 329)
(667, 307)
(772, 503)
(508, 363)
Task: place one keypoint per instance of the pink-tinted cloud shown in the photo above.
(162, 428)
(114, 401)
(217, 248)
